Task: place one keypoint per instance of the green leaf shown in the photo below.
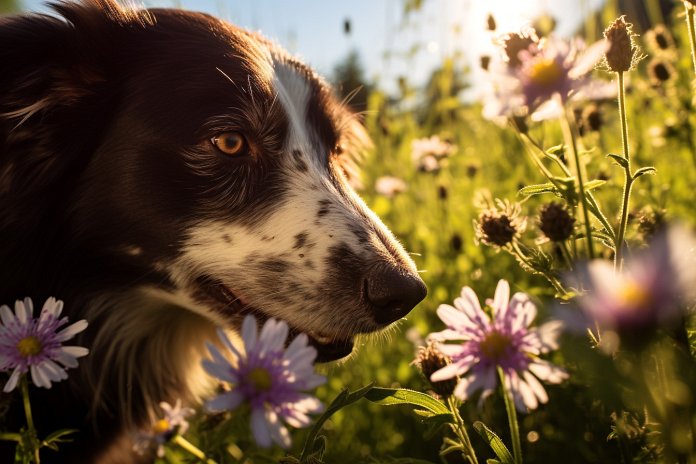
(430, 418)
(556, 150)
(492, 461)
(451, 449)
(343, 399)
(620, 160)
(593, 184)
(392, 396)
(537, 189)
(11, 437)
(646, 170)
(495, 443)
(59, 436)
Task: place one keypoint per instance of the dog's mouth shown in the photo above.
(229, 305)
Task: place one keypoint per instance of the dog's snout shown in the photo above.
(392, 293)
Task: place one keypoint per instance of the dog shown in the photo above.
(165, 173)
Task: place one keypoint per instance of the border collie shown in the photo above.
(164, 172)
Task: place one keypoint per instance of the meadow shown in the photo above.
(466, 186)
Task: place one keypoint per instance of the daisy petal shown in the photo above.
(259, 428)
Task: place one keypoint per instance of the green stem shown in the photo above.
(692, 32)
(34, 442)
(570, 141)
(460, 430)
(590, 198)
(566, 255)
(628, 176)
(515, 250)
(191, 449)
(512, 419)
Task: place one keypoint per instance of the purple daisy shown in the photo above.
(507, 341)
(36, 345)
(172, 422)
(269, 378)
(652, 289)
(547, 74)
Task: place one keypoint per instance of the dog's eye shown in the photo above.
(231, 143)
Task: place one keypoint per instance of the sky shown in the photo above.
(314, 29)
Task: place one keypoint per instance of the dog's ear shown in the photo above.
(56, 89)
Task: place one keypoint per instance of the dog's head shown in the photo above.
(203, 163)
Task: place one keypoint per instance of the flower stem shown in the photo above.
(33, 440)
(594, 207)
(571, 142)
(628, 176)
(567, 257)
(523, 259)
(460, 430)
(191, 449)
(692, 32)
(512, 419)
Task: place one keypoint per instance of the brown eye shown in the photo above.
(230, 143)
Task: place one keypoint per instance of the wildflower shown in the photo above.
(390, 186)
(36, 345)
(556, 222)
(484, 62)
(622, 53)
(172, 422)
(650, 289)
(429, 360)
(504, 340)
(269, 378)
(555, 68)
(500, 226)
(431, 147)
(541, 75)
(660, 71)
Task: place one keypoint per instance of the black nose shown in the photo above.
(392, 292)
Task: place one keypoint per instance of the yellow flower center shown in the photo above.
(633, 295)
(260, 379)
(161, 426)
(29, 346)
(545, 72)
(495, 345)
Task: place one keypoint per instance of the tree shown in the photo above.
(349, 80)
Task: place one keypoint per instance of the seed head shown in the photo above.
(429, 360)
(651, 222)
(490, 23)
(590, 119)
(456, 242)
(623, 53)
(659, 39)
(500, 226)
(556, 222)
(514, 43)
(660, 71)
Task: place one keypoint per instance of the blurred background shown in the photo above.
(413, 68)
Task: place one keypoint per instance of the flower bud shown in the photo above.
(555, 222)
(429, 360)
(622, 53)
(500, 226)
(660, 71)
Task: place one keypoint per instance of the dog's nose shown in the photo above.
(392, 293)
